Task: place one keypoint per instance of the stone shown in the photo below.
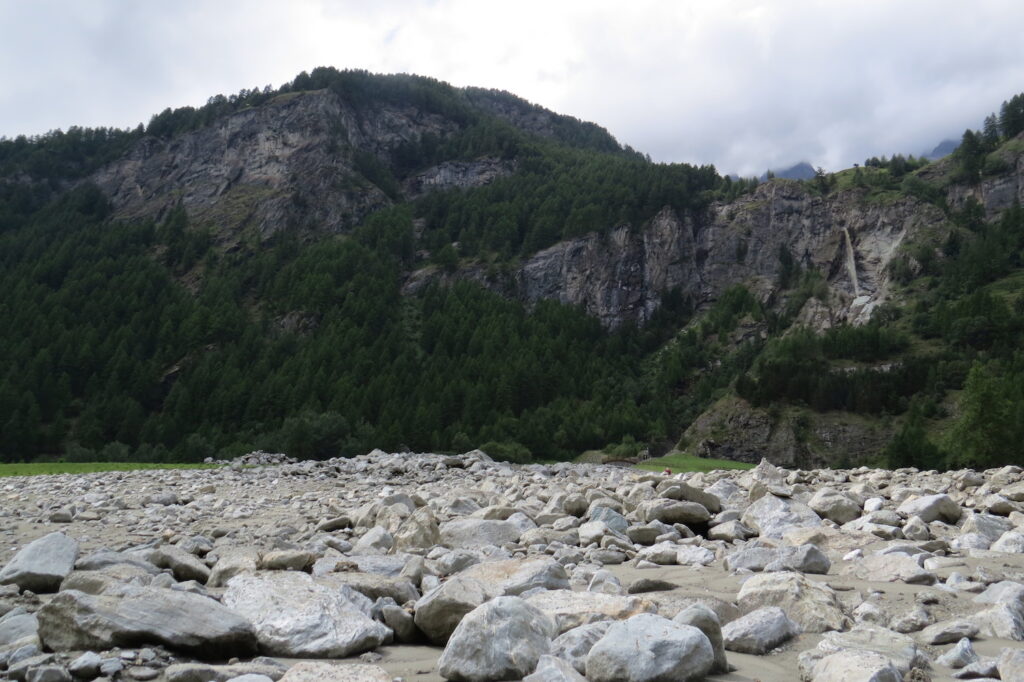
(295, 616)
(802, 559)
(15, 626)
(947, 631)
(183, 565)
(1011, 542)
(205, 672)
(643, 585)
(500, 640)
(931, 508)
(1011, 664)
(960, 655)
(377, 540)
(706, 620)
(672, 511)
(649, 648)
(552, 669)
(476, 533)
(42, 564)
(900, 650)
(512, 577)
(690, 555)
(48, 673)
(441, 610)
(571, 609)
(232, 563)
(1005, 621)
(574, 645)
(320, 671)
(287, 560)
(835, 506)
(855, 666)
(75, 621)
(813, 606)
(86, 666)
(892, 568)
(419, 531)
(759, 631)
(773, 517)
(373, 586)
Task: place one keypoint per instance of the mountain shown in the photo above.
(944, 148)
(799, 171)
(356, 261)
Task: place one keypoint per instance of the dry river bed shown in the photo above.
(430, 567)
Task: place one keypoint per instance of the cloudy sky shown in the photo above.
(743, 84)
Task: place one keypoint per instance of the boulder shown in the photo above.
(476, 533)
(512, 577)
(42, 564)
(835, 506)
(705, 620)
(17, 625)
(772, 516)
(571, 609)
(650, 648)
(439, 611)
(295, 616)
(75, 621)
(672, 511)
(183, 565)
(813, 606)
(500, 640)
(206, 672)
(931, 508)
(419, 531)
(855, 666)
(574, 645)
(759, 631)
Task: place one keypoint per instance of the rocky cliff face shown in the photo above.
(620, 277)
(289, 164)
(850, 237)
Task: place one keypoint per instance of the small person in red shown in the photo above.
(667, 471)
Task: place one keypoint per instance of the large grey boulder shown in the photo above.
(17, 625)
(835, 506)
(1011, 664)
(854, 665)
(476, 533)
(183, 565)
(706, 620)
(649, 648)
(932, 508)
(899, 649)
(75, 621)
(295, 616)
(500, 640)
(419, 531)
(813, 606)
(773, 517)
(41, 565)
(512, 577)
(673, 511)
(571, 609)
(759, 631)
(441, 610)
(574, 645)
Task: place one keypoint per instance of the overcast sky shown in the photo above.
(743, 84)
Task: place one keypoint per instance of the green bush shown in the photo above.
(509, 451)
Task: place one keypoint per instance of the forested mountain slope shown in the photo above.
(354, 261)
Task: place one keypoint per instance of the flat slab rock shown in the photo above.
(75, 621)
(42, 564)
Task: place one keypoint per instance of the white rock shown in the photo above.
(649, 648)
(500, 640)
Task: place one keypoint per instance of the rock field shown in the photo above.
(428, 567)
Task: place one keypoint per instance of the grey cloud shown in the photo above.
(743, 84)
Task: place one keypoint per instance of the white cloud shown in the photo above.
(743, 84)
